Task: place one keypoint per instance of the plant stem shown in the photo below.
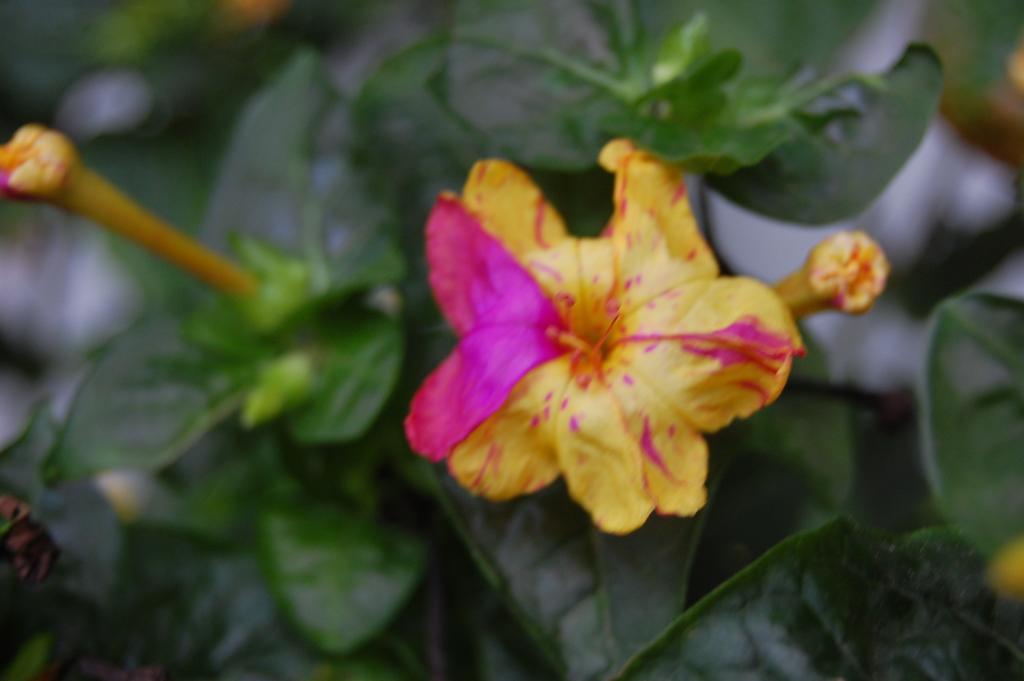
(90, 195)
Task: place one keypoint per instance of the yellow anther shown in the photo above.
(845, 272)
(40, 164)
(1006, 571)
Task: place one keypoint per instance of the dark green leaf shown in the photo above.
(357, 367)
(810, 432)
(339, 579)
(973, 402)
(289, 181)
(827, 173)
(844, 603)
(954, 259)
(149, 396)
(775, 36)
(198, 610)
(590, 600)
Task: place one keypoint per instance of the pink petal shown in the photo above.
(472, 383)
(475, 279)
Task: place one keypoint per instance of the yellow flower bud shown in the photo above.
(1006, 571)
(1015, 69)
(36, 163)
(846, 272)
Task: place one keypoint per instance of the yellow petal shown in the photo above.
(718, 350)
(675, 455)
(511, 207)
(579, 276)
(513, 451)
(645, 266)
(650, 192)
(599, 460)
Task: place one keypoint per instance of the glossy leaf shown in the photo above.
(200, 611)
(288, 180)
(357, 365)
(842, 602)
(973, 402)
(853, 141)
(338, 579)
(149, 396)
(590, 600)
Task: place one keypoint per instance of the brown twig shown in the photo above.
(26, 543)
(893, 408)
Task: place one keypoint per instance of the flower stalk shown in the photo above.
(39, 164)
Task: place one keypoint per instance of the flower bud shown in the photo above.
(1006, 571)
(282, 384)
(846, 272)
(1015, 69)
(35, 164)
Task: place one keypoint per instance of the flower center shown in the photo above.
(588, 347)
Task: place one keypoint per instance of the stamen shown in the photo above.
(568, 340)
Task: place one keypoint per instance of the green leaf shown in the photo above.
(357, 366)
(776, 36)
(590, 600)
(338, 579)
(973, 404)
(812, 434)
(149, 396)
(288, 180)
(30, 661)
(548, 83)
(833, 171)
(680, 48)
(696, 123)
(199, 610)
(842, 602)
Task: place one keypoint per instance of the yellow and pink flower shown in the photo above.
(601, 360)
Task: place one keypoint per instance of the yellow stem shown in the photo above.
(799, 297)
(90, 195)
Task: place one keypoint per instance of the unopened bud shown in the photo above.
(846, 272)
(35, 164)
(282, 384)
(1006, 571)
(1015, 69)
